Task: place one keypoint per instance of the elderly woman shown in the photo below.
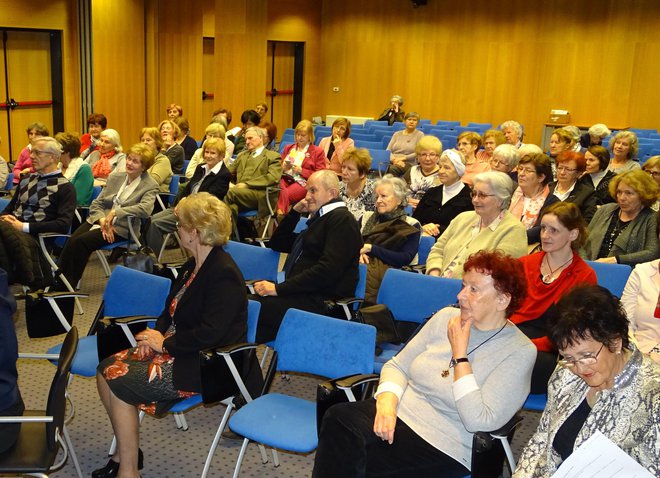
(23, 165)
(550, 274)
(596, 175)
(356, 189)
(108, 158)
(468, 143)
(603, 384)
(335, 146)
(490, 226)
(299, 161)
(491, 139)
(640, 300)
(170, 133)
(441, 204)
(207, 307)
(505, 159)
(96, 123)
(393, 112)
(214, 130)
(467, 370)
(624, 146)
(131, 193)
(570, 166)
(595, 135)
(652, 168)
(402, 146)
(261, 109)
(186, 141)
(513, 132)
(161, 170)
(173, 111)
(424, 175)
(576, 134)
(625, 232)
(75, 169)
(532, 193)
(391, 238)
(560, 140)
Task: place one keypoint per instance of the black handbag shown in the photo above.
(327, 395)
(112, 339)
(380, 317)
(218, 382)
(143, 260)
(40, 318)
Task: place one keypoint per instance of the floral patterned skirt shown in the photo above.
(145, 382)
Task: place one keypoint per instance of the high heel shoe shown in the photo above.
(111, 469)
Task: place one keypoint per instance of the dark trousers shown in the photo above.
(543, 367)
(273, 309)
(9, 431)
(80, 245)
(348, 447)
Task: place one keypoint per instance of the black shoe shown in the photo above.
(111, 469)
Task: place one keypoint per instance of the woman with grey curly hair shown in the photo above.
(391, 238)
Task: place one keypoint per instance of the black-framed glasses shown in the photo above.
(566, 168)
(654, 174)
(480, 195)
(588, 359)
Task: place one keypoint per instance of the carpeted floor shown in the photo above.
(169, 452)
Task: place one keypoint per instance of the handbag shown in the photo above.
(40, 318)
(327, 395)
(380, 316)
(143, 260)
(112, 339)
(218, 383)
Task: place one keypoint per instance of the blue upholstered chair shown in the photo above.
(611, 276)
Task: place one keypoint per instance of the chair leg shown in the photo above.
(104, 262)
(216, 438)
(72, 452)
(241, 455)
(181, 422)
(509, 454)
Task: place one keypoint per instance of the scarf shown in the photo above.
(102, 168)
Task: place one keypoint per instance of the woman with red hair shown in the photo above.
(570, 166)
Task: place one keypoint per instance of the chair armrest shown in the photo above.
(230, 349)
(129, 319)
(418, 268)
(28, 419)
(504, 431)
(61, 295)
(350, 383)
(27, 355)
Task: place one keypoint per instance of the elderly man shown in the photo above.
(513, 132)
(256, 168)
(505, 159)
(323, 259)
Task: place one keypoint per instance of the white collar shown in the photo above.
(331, 207)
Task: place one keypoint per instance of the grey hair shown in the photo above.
(51, 145)
(514, 125)
(327, 178)
(500, 183)
(258, 131)
(529, 148)
(599, 130)
(398, 99)
(509, 153)
(114, 138)
(398, 185)
(574, 131)
(412, 114)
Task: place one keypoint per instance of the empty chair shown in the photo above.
(611, 276)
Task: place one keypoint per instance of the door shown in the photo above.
(285, 73)
(30, 86)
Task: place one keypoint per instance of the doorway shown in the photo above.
(31, 87)
(285, 73)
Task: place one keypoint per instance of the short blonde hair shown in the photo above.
(154, 134)
(217, 129)
(307, 127)
(640, 181)
(652, 162)
(632, 139)
(209, 216)
(496, 134)
(427, 143)
(146, 154)
(175, 127)
(215, 143)
(361, 157)
(471, 136)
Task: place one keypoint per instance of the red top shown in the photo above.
(541, 296)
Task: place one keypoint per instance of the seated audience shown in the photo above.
(256, 168)
(391, 238)
(11, 402)
(271, 135)
(335, 146)
(402, 146)
(170, 133)
(186, 141)
(212, 176)
(424, 175)
(576, 134)
(550, 274)
(560, 140)
(161, 170)
(624, 146)
(207, 307)
(468, 143)
(490, 226)
(441, 204)
(505, 159)
(131, 193)
(249, 119)
(570, 166)
(602, 384)
(356, 188)
(213, 130)
(322, 260)
(108, 157)
(96, 123)
(75, 169)
(640, 301)
(23, 165)
(596, 175)
(492, 138)
(466, 370)
(532, 193)
(299, 161)
(173, 111)
(226, 116)
(513, 132)
(393, 112)
(261, 109)
(652, 168)
(625, 232)
(595, 136)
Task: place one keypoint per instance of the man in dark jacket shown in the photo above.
(323, 259)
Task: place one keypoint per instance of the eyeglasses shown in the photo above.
(568, 170)
(587, 359)
(428, 155)
(527, 170)
(480, 195)
(498, 162)
(655, 174)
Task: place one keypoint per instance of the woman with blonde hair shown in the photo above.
(468, 143)
(356, 189)
(624, 146)
(161, 170)
(214, 130)
(491, 139)
(423, 176)
(336, 145)
(170, 133)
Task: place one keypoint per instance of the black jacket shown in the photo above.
(431, 210)
(216, 184)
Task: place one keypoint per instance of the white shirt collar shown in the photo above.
(331, 207)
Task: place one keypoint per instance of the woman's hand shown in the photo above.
(150, 338)
(458, 333)
(286, 165)
(413, 202)
(385, 421)
(296, 169)
(366, 249)
(431, 229)
(263, 288)
(364, 259)
(336, 140)
(607, 260)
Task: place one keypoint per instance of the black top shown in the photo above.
(8, 347)
(602, 191)
(564, 441)
(216, 184)
(189, 146)
(583, 197)
(431, 210)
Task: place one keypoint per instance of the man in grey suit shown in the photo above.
(256, 168)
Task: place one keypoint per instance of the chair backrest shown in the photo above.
(10, 182)
(425, 245)
(96, 192)
(320, 345)
(611, 276)
(174, 188)
(414, 297)
(3, 203)
(254, 308)
(380, 159)
(361, 286)
(131, 292)
(254, 262)
(56, 405)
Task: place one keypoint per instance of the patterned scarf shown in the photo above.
(102, 167)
